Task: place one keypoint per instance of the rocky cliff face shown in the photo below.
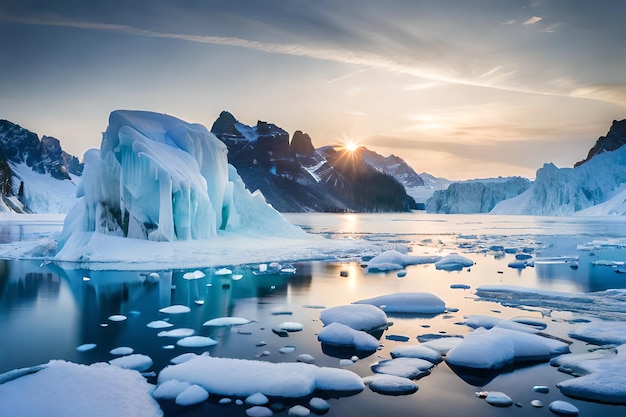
(295, 177)
(613, 140)
(22, 154)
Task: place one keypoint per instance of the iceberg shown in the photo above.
(161, 179)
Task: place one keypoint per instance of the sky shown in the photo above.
(458, 88)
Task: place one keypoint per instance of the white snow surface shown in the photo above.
(337, 334)
(45, 194)
(453, 261)
(159, 178)
(72, 390)
(497, 348)
(393, 260)
(241, 378)
(357, 316)
(408, 303)
(595, 187)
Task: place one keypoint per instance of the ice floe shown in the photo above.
(85, 347)
(117, 317)
(227, 321)
(411, 368)
(390, 384)
(563, 408)
(180, 332)
(476, 320)
(240, 377)
(407, 303)
(169, 390)
(418, 352)
(197, 274)
(610, 304)
(357, 316)
(298, 411)
(196, 341)
(134, 361)
(497, 348)
(159, 324)
(393, 260)
(72, 390)
(337, 334)
(601, 332)
(453, 262)
(194, 394)
(175, 309)
(121, 351)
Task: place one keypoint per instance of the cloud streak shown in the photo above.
(494, 78)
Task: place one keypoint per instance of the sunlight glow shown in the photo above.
(351, 146)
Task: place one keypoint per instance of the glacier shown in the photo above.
(161, 179)
(593, 188)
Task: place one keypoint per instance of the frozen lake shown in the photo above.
(46, 312)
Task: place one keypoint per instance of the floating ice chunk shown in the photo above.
(443, 344)
(298, 411)
(169, 390)
(122, 351)
(239, 377)
(358, 316)
(85, 347)
(319, 405)
(393, 260)
(390, 384)
(556, 259)
(537, 403)
(117, 317)
(226, 321)
(196, 341)
(411, 368)
(306, 358)
(346, 362)
(159, 324)
(453, 262)
(460, 286)
(601, 333)
(291, 326)
(407, 302)
(258, 411)
(175, 309)
(337, 334)
(225, 401)
(223, 271)
(418, 352)
(135, 361)
(287, 349)
(197, 274)
(476, 320)
(496, 348)
(542, 389)
(184, 357)
(153, 277)
(498, 399)
(72, 390)
(256, 399)
(193, 395)
(181, 332)
(563, 408)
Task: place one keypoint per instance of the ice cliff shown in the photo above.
(159, 178)
(595, 187)
(476, 196)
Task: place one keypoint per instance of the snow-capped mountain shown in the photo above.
(596, 186)
(475, 196)
(296, 177)
(37, 174)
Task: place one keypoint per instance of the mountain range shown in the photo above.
(37, 175)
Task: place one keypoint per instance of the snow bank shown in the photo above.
(71, 390)
(407, 303)
(241, 378)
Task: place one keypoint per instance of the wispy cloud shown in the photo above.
(495, 78)
(533, 20)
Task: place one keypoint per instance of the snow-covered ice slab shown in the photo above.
(338, 334)
(392, 260)
(601, 332)
(72, 390)
(417, 351)
(241, 378)
(609, 304)
(407, 303)
(357, 316)
(453, 262)
(390, 384)
(497, 348)
(412, 368)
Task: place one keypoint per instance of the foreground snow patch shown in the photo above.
(72, 390)
(241, 378)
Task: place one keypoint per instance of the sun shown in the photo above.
(351, 146)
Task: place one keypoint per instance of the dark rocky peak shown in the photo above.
(612, 141)
(225, 124)
(272, 138)
(302, 144)
(22, 146)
